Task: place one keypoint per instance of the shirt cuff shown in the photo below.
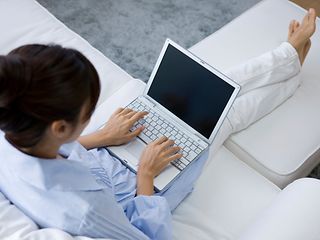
(151, 215)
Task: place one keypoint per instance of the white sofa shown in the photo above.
(284, 145)
(233, 197)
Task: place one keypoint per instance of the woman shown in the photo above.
(47, 95)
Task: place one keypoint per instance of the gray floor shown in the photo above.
(132, 32)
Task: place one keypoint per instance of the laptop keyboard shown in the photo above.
(156, 126)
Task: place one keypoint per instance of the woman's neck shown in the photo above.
(44, 149)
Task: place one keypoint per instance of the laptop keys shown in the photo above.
(156, 127)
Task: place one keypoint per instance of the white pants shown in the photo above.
(266, 82)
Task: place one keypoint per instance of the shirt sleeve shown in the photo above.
(107, 220)
(151, 215)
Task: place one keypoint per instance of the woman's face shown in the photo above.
(80, 125)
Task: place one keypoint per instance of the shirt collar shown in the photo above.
(55, 174)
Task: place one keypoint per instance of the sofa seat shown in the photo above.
(284, 145)
(226, 200)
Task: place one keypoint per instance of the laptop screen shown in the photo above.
(190, 91)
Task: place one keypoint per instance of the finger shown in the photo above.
(119, 110)
(174, 157)
(135, 133)
(160, 140)
(137, 116)
(172, 150)
(130, 114)
(125, 111)
(167, 144)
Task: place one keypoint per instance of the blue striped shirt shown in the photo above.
(89, 193)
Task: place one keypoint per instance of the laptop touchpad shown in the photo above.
(136, 147)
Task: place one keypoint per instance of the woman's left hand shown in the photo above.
(116, 131)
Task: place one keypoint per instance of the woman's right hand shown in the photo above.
(156, 156)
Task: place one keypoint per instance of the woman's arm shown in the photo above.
(156, 156)
(94, 140)
(116, 131)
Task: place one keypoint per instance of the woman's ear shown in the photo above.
(61, 129)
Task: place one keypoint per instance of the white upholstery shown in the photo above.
(227, 198)
(15, 225)
(304, 213)
(284, 145)
(229, 195)
(25, 22)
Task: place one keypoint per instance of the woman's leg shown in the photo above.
(268, 80)
(255, 104)
(272, 78)
(272, 67)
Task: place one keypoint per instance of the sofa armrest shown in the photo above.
(293, 214)
(32, 23)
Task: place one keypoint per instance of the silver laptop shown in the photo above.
(187, 101)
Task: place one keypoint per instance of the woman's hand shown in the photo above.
(156, 156)
(116, 131)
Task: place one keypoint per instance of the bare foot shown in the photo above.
(302, 52)
(299, 34)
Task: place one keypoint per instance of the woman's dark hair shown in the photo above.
(40, 84)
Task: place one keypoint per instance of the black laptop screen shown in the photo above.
(190, 91)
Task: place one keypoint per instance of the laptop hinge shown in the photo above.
(203, 142)
(150, 100)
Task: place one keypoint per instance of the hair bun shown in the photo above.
(14, 79)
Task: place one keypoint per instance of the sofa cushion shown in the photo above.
(14, 225)
(293, 214)
(284, 145)
(26, 21)
(227, 198)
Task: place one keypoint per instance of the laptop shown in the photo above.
(187, 101)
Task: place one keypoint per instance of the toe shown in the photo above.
(312, 15)
(305, 19)
(308, 23)
(312, 20)
(296, 25)
(291, 28)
